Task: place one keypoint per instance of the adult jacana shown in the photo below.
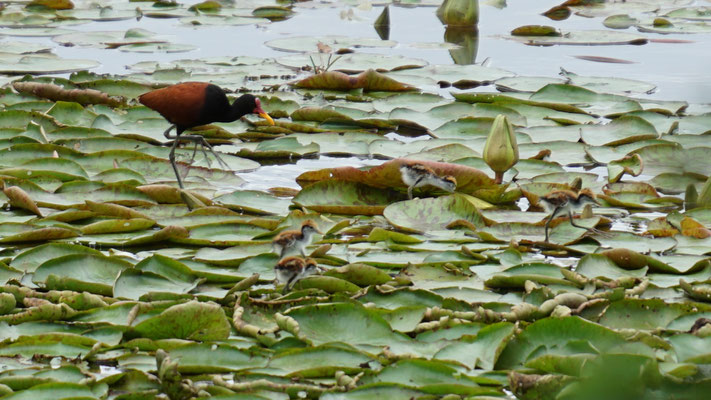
(190, 104)
(566, 201)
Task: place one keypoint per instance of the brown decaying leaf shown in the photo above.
(691, 227)
(558, 13)
(20, 199)
(469, 180)
(369, 80)
(58, 93)
(53, 4)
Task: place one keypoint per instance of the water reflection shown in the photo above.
(468, 40)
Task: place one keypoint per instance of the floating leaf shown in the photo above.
(192, 320)
(369, 80)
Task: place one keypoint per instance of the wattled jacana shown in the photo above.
(190, 104)
(567, 201)
(296, 239)
(417, 175)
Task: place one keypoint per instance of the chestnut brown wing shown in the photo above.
(180, 104)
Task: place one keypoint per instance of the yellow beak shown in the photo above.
(267, 117)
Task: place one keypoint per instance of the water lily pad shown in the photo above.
(587, 38)
(42, 64)
(421, 215)
(192, 320)
(89, 272)
(342, 197)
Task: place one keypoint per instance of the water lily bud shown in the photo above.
(501, 150)
(459, 12)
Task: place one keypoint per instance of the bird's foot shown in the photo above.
(202, 143)
(600, 232)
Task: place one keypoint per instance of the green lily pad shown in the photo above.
(192, 320)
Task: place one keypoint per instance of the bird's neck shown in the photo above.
(306, 235)
(236, 111)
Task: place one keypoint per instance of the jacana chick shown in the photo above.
(190, 104)
(296, 239)
(290, 270)
(418, 175)
(567, 202)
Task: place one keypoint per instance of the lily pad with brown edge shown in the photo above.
(422, 215)
(369, 80)
(343, 197)
(22, 233)
(469, 180)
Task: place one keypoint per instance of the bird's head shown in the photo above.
(254, 105)
(586, 196)
(309, 226)
(311, 267)
(449, 183)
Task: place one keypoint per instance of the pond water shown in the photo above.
(680, 70)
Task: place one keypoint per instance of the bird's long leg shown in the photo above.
(167, 133)
(414, 185)
(548, 222)
(593, 230)
(171, 157)
(288, 284)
